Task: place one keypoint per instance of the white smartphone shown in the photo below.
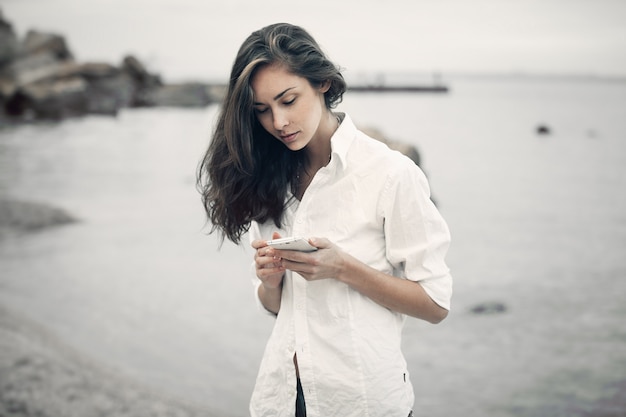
(292, 243)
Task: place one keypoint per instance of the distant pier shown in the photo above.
(398, 88)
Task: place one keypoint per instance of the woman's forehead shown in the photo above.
(272, 81)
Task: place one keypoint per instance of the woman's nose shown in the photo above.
(280, 120)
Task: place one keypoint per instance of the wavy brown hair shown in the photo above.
(246, 173)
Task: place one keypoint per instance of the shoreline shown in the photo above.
(42, 376)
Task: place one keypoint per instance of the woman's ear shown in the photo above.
(325, 86)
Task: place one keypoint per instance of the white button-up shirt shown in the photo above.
(375, 204)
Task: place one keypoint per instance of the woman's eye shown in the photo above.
(260, 111)
(290, 101)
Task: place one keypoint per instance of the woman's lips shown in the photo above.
(290, 137)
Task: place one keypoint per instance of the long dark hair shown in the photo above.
(245, 173)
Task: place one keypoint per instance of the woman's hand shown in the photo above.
(269, 268)
(270, 271)
(326, 262)
(396, 294)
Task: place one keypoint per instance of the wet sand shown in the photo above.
(41, 376)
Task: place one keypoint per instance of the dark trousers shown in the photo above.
(300, 405)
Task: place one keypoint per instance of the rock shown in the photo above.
(53, 100)
(39, 67)
(23, 216)
(180, 95)
(543, 130)
(8, 42)
(39, 79)
(8, 52)
(41, 42)
(110, 94)
(88, 70)
(108, 88)
(402, 147)
(489, 307)
(405, 148)
(145, 82)
(138, 72)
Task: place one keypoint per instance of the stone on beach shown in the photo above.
(489, 307)
(23, 216)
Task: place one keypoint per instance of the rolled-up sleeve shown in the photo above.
(417, 237)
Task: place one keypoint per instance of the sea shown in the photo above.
(538, 220)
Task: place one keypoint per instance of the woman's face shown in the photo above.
(288, 106)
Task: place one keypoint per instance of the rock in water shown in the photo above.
(489, 307)
(22, 216)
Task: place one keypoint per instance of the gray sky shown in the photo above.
(198, 39)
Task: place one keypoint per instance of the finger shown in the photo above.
(257, 244)
(267, 262)
(292, 255)
(320, 242)
(270, 273)
(299, 267)
(265, 251)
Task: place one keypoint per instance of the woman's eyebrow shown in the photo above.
(279, 95)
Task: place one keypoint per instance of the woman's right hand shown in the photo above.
(269, 268)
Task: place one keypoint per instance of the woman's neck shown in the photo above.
(319, 150)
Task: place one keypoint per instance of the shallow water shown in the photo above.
(538, 224)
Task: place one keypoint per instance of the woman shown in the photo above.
(282, 163)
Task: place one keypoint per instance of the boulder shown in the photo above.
(109, 88)
(37, 67)
(39, 79)
(145, 82)
(405, 148)
(71, 89)
(40, 42)
(53, 100)
(8, 52)
(8, 42)
(108, 95)
(180, 95)
(138, 72)
(402, 147)
(29, 216)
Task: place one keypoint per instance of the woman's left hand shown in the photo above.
(326, 262)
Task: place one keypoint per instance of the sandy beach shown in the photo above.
(41, 376)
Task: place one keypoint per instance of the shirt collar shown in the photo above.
(342, 139)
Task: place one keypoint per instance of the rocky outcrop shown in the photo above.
(402, 147)
(26, 216)
(41, 79)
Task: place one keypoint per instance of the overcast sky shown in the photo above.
(198, 39)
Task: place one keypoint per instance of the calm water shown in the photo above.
(538, 224)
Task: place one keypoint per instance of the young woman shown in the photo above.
(282, 163)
